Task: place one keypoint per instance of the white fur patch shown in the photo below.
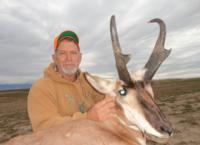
(149, 89)
(141, 141)
(136, 118)
(139, 75)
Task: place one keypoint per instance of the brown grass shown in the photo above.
(13, 114)
(174, 87)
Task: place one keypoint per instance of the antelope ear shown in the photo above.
(102, 85)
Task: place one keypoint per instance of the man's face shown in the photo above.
(67, 57)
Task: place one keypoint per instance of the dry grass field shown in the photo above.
(179, 99)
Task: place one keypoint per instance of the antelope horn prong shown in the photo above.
(120, 59)
(159, 53)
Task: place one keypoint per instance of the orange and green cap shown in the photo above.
(64, 35)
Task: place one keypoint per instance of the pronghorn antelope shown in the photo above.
(137, 118)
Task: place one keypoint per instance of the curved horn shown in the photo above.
(159, 53)
(120, 59)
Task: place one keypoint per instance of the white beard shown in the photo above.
(70, 71)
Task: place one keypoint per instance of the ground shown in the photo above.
(178, 99)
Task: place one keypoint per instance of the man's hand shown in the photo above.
(103, 110)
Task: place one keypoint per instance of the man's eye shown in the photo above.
(61, 53)
(122, 92)
(74, 53)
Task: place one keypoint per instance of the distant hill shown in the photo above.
(14, 86)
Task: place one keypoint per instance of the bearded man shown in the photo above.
(63, 93)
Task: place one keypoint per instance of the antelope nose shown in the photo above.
(167, 130)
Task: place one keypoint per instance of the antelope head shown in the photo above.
(134, 93)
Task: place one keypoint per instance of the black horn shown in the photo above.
(159, 53)
(120, 59)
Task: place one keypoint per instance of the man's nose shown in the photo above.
(68, 56)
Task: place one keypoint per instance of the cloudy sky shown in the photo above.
(28, 27)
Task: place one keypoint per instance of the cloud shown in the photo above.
(28, 29)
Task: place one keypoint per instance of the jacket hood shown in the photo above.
(52, 73)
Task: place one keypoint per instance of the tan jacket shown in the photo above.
(53, 100)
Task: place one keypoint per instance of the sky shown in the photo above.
(28, 27)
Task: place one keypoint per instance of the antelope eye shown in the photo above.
(122, 92)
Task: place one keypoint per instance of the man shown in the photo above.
(63, 93)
